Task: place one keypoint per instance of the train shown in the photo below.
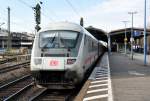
(62, 53)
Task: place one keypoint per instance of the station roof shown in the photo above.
(119, 35)
(128, 30)
(97, 33)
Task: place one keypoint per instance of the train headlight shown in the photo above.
(70, 61)
(37, 61)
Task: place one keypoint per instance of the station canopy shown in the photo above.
(119, 35)
(97, 33)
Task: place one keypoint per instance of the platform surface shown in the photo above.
(98, 85)
(130, 78)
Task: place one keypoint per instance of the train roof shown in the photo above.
(63, 26)
(66, 26)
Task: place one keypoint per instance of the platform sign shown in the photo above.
(136, 33)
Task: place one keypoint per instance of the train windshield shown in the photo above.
(58, 39)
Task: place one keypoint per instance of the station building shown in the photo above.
(118, 40)
(18, 39)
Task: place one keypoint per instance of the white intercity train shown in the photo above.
(62, 53)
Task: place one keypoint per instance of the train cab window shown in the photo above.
(60, 43)
(68, 39)
(58, 39)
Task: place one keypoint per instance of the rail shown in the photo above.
(16, 58)
(13, 67)
(53, 95)
(13, 88)
(19, 92)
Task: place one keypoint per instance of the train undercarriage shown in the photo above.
(56, 79)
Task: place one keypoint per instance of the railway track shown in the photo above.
(14, 58)
(53, 95)
(12, 89)
(13, 67)
(8, 60)
(36, 93)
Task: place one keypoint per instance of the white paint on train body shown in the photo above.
(63, 51)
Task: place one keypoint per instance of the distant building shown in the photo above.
(18, 39)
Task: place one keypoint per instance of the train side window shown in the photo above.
(85, 39)
(92, 44)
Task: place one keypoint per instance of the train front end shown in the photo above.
(54, 60)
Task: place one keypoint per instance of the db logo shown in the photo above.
(53, 63)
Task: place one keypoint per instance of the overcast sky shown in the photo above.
(104, 14)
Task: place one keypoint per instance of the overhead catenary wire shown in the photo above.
(21, 1)
(47, 17)
(12, 22)
(49, 10)
(25, 3)
(3, 13)
(73, 8)
(3, 16)
(17, 24)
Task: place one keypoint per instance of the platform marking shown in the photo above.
(102, 69)
(95, 97)
(99, 81)
(135, 73)
(110, 98)
(97, 90)
(98, 85)
(102, 80)
(101, 75)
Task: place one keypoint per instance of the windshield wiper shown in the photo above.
(50, 41)
(62, 42)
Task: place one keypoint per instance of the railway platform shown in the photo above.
(98, 85)
(130, 78)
